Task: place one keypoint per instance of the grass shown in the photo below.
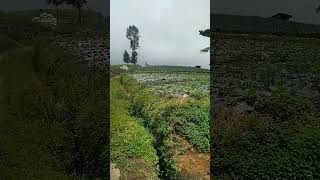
(130, 141)
(25, 141)
(167, 117)
(53, 121)
(277, 77)
(260, 149)
(50, 126)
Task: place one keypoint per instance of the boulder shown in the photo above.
(125, 68)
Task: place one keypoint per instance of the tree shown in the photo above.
(126, 57)
(318, 9)
(134, 57)
(133, 36)
(79, 5)
(206, 33)
(56, 3)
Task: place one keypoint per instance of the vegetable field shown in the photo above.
(266, 99)
(172, 103)
(177, 81)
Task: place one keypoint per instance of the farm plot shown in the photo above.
(180, 126)
(175, 83)
(266, 97)
(249, 68)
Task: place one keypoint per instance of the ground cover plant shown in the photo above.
(266, 107)
(53, 120)
(175, 81)
(131, 144)
(179, 125)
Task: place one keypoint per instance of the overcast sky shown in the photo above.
(302, 10)
(169, 30)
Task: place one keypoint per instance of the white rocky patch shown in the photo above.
(47, 20)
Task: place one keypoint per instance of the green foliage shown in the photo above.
(195, 123)
(63, 116)
(35, 56)
(278, 137)
(129, 139)
(134, 57)
(133, 36)
(126, 57)
(284, 107)
(6, 43)
(259, 150)
(164, 116)
(30, 150)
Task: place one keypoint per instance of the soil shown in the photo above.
(192, 163)
(114, 172)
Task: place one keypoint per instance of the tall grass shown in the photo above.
(53, 126)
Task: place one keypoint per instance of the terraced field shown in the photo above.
(256, 65)
(172, 103)
(266, 107)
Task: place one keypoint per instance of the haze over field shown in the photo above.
(169, 31)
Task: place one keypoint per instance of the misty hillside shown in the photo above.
(18, 25)
(255, 24)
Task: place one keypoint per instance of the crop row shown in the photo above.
(176, 84)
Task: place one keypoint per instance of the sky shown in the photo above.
(169, 31)
(302, 10)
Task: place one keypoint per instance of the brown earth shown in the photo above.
(142, 171)
(193, 164)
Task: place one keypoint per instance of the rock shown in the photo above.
(114, 172)
(125, 68)
(185, 96)
(47, 20)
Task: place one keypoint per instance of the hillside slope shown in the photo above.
(257, 24)
(53, 122)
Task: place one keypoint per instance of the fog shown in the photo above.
(169, 31)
